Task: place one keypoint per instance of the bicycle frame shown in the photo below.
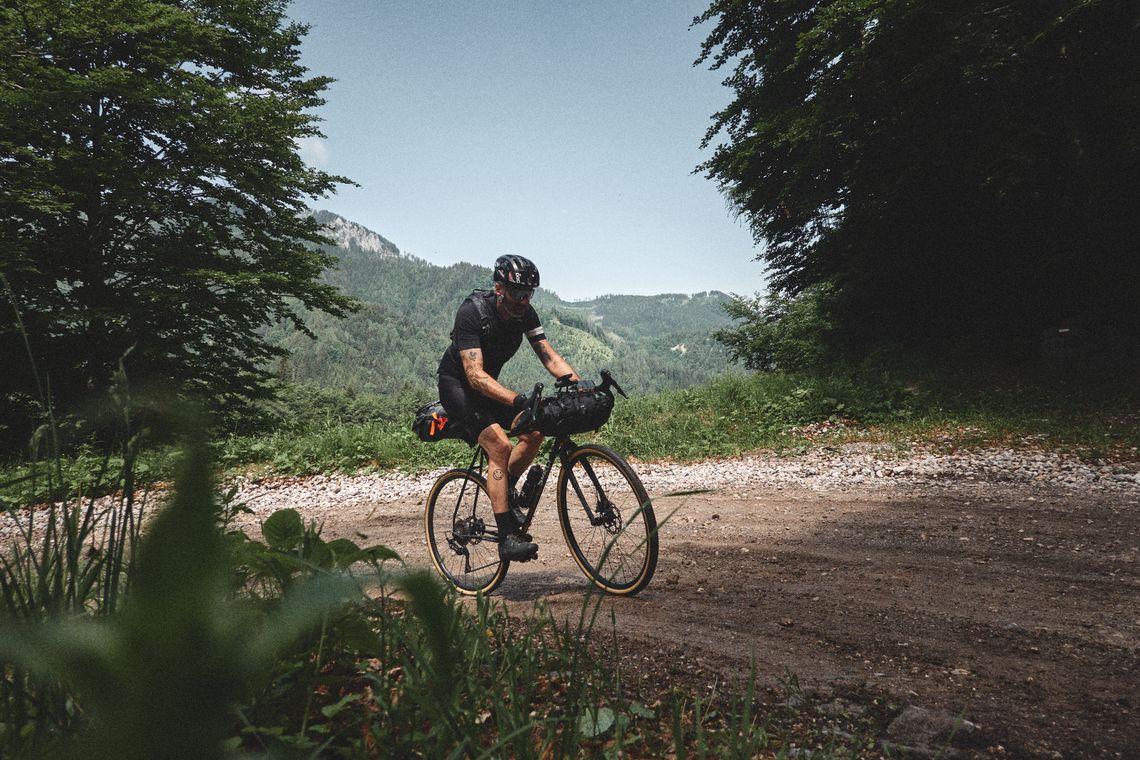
(610, 498)
(560, 451)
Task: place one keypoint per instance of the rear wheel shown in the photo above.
(461, 532)
(607, 520)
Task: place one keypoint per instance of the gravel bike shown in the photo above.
(604, 511)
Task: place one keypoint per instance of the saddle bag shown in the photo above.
(432, 424)
(576, 410)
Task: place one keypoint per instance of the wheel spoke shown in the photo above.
(460, 530)
(607, 520)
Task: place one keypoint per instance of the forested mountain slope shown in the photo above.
(395, 340)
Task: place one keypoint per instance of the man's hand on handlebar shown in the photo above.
(526, 408)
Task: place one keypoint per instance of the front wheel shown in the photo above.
(461, 533)
(607, 520)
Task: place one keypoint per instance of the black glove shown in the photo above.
(522, 423)
(521, 402)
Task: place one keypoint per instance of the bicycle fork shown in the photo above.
(603, 512)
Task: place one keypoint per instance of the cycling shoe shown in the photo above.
(520, 518)
(517, 549)
(518, 513)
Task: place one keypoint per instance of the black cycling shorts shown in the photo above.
(472, 408)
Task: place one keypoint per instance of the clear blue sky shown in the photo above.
(565, 132)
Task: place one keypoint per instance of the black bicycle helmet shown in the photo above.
(516, 270)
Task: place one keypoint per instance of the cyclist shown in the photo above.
(489, 328)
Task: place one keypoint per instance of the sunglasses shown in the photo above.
(517, 293)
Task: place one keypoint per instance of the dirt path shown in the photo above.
(1015, 606)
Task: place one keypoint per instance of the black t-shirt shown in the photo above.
(478, 325)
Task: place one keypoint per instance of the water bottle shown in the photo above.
(530, 487)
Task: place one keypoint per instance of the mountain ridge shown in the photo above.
(353, 235)
(394, 342)
(349, 234)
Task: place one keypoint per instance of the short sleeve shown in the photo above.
(468, 327)
(532, 327)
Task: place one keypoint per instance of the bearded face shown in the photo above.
(513, 298)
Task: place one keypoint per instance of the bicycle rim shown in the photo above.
(607, 520)
(461, 535)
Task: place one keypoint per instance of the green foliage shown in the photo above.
(779, 332)
(963, 179)
(150, 195)
(162, 670)
(729, 416)
(298, 407)
(69, 559)
(740, 413)
(344, 448)
(293, 550)
(737, 414)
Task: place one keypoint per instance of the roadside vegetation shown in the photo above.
(326, 431)
(196, 638)
(310, 430)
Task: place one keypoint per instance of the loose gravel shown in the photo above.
(842, 467)
(845, 467)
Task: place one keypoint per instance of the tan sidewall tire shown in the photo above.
(647, 518)
(429, 532)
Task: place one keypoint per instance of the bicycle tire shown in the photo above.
(461, 534)
(607, 520)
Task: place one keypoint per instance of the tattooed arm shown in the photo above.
(478, 378)
(554, 363)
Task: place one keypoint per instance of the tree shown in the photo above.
(779, 333)
(151, 193)
(965, 177)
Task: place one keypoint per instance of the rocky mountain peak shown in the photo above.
(350, 235)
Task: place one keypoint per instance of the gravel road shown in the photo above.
(999, 586)
(848, 466)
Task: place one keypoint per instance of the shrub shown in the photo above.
(780, 332)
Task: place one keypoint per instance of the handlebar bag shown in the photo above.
(575, 411)
(432, 424)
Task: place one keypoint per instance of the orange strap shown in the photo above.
(438, 423)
